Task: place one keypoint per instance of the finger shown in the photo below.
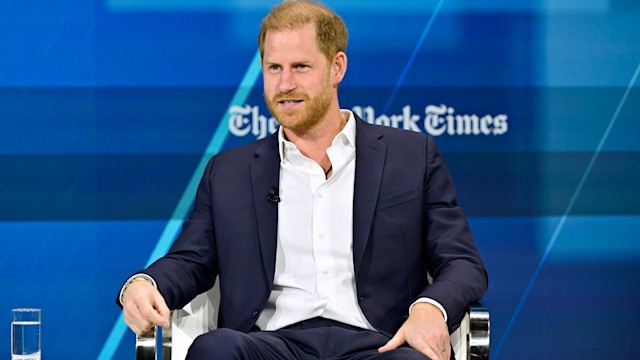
(443, 352)
(430, 352)
(151, 315)
(154, 308)
(137, 320)
(140, 329)
(447, 353)
(144, 308)
(394, 343)
(163, 310)
(140, 315)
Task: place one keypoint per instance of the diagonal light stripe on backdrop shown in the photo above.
(184, 205)
(423, 36)
(565, 215)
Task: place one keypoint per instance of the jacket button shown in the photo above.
(255, 314)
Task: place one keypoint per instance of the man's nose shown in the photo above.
(287, 81)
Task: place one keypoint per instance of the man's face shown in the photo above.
(297, 84)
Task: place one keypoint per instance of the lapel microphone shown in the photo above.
(272, 195)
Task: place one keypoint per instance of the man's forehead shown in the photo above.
(290, 42)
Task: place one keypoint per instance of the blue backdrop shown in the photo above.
(109, 107)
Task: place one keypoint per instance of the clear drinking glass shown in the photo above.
(26, 330)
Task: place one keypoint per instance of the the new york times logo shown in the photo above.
(437, 120)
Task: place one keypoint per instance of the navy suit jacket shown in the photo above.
(406, 223)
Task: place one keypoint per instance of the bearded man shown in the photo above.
(322, 235)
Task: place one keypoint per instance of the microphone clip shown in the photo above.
(272, 195)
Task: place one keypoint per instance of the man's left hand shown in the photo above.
(426, 331)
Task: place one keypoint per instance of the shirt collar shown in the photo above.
(347, 134)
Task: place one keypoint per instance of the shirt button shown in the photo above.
(320, 196)
(321, 236)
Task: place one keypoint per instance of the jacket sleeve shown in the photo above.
(454, 263)
(189, 268)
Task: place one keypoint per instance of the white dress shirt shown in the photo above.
(314, 274)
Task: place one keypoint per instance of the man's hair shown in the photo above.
(331, 32)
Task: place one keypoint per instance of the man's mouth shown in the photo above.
(289, 102)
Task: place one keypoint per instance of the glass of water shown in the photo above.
(25, 334)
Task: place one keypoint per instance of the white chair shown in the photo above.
(470, 340)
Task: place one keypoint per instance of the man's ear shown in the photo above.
(338, 67)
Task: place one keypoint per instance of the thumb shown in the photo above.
(396, 341)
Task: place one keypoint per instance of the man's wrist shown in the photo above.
(134, 278)
(432, 302)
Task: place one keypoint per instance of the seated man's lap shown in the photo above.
(315, 343)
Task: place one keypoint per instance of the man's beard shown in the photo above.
(316, 109)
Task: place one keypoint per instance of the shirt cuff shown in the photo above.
(432, 302)
(133, 279)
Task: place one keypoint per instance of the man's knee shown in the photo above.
(226, 344)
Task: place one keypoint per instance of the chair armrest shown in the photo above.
(470, 338)
(479, 331)
(146, 345)
(197, 317)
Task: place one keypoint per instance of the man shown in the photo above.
(323, 234)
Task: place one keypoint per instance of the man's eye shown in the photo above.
(302, 67)
(274, 68)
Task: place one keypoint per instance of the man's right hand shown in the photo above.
(144, 307)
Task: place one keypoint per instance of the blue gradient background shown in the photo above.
(107, 108)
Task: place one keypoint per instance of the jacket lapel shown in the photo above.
(265, 174)
(265, 171)
(370, 158)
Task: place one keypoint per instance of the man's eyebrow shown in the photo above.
(294, 63)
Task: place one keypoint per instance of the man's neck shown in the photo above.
(314, 142)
